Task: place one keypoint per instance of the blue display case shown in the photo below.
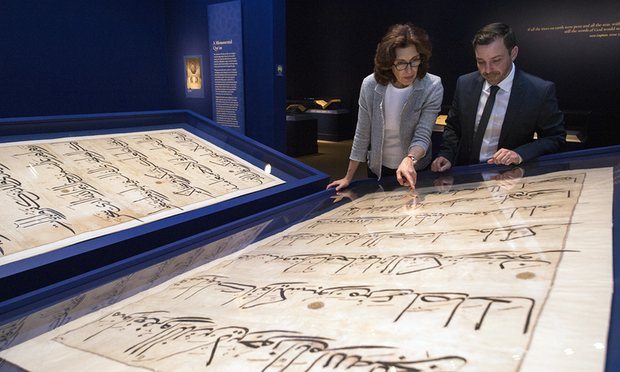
(183, 254)
(33, 279)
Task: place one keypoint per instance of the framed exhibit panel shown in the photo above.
(80, 194)
(483, 268)
(194, 86)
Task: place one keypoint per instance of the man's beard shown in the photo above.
(492, 77)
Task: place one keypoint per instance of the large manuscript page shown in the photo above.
(483, 277)
(58, 192)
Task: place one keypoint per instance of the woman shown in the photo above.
(398, 106)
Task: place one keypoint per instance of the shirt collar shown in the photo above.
(506, 84)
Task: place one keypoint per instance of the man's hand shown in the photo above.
(440, 164)
(505, 157)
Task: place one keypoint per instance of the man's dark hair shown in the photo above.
(491, 32)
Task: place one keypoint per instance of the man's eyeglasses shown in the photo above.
(401, 66)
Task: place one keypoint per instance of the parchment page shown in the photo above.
(58, 192)
(138, 282)
(483, 277)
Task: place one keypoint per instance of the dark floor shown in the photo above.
(333, 159)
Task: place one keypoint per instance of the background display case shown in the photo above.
(43, 277)
(134, 275)
(333, 121)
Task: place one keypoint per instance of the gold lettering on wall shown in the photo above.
(592, 30)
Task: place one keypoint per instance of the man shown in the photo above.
(520, 105)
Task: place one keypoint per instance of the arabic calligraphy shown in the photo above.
(58, 192)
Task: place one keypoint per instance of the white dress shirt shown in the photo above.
(494, 127)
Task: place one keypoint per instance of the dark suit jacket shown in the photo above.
(532, 108)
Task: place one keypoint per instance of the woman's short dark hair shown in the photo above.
(493, 31)
(401, 36)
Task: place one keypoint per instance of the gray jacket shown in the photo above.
(416, 123)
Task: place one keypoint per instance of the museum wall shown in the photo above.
(187, 34)
(263, 40)
(74, 57)
(79, 57)
(331, 44)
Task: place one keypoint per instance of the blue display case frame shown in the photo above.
(34, 279)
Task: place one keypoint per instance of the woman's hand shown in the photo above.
(339, 184)
(406, 173)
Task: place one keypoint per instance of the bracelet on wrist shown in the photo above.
(413, 158)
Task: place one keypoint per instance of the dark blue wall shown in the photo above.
(75, 57)
(188, 34)
(80, 57)
(265, 93)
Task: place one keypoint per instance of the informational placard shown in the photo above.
(226, 56)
